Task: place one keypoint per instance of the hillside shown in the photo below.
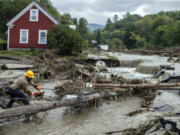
(92, 27)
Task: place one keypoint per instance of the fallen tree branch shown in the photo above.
(138, 85)
(81, 69)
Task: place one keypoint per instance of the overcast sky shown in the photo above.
(97, 11)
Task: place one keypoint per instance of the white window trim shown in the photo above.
(37, 15)
(40, 37)
(27, 36)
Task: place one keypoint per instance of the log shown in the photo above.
(9, 58)
(44, 106)
(138, 85)
(156, 52)
(16, 67)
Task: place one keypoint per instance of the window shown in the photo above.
(24, 36)
(42, 36)
(34, 15)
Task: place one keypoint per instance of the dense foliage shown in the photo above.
(65, 39)
(133, 31)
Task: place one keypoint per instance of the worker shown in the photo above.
(19, 86)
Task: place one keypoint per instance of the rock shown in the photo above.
(101, 65)
(69, 97)
(155, 130)
(146, 68)
(159, 132)
(164, 108)
(165, 78)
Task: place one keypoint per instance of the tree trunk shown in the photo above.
(138, 85)
(34, 108)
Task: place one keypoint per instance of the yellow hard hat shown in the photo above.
(29, 74)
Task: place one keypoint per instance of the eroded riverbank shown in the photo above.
(110, 116)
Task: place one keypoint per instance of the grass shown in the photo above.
(27, 53)
(80, 56)
(112, 57)
(19, 53)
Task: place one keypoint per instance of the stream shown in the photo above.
(110, 116)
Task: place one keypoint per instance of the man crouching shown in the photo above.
(19, 86)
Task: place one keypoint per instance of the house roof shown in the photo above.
(26, 9)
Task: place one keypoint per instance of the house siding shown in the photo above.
(44, 23)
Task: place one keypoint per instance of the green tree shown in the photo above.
(116, 44)
(176, 33)
(161, 20)
(109, 25)
(115, 18)
(171, 35)
(65, 39)
(159, 36)
(75, 21)
(82, 27)
(140, 41)
(130, 40)
(127, 23)
(144, 28)
(66, 19)
(85, 45)
(47, 5)
(98, 37)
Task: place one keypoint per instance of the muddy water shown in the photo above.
(91, 121)
(126, 72)
(108, 117)
(171, 98)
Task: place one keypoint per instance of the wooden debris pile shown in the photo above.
(141, 130)
(49, 65)
(69, 88)
(157, 126)
(85, 72)
(160, 126)
(122, 80)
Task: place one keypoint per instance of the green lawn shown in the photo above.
(18, 53)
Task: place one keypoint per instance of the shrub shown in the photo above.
(65, 39)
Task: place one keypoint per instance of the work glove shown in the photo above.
(38, 87)
(39, 93)
(28, 92)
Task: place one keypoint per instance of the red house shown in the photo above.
(29, 28)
